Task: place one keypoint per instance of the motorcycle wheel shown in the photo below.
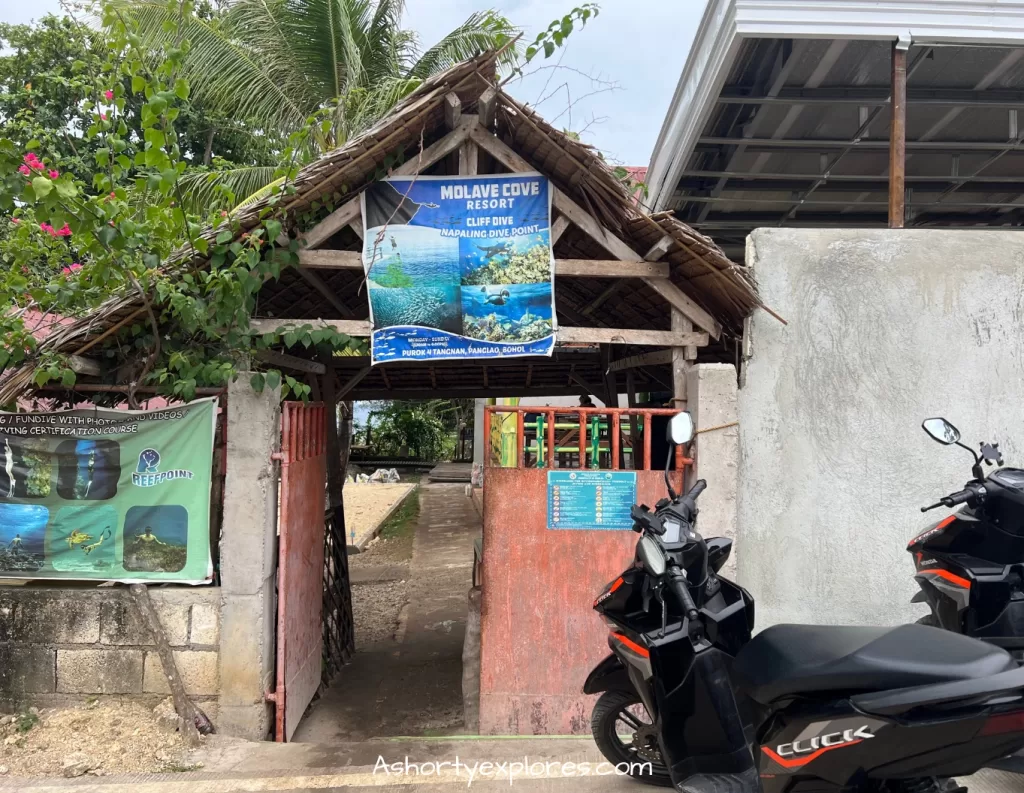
(624, 734)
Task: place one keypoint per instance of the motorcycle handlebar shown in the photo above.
(957, 498)
(697, 489)
(677, 582)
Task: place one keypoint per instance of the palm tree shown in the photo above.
(271, 64)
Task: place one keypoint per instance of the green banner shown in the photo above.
(113, 495)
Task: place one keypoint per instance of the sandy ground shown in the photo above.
(366, 505)
(108, 738)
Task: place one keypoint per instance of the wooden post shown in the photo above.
(582, 417)
(615, 440)
(898, 136)
(679, 366)
(631, 402)
(552, 417)
(335, 471)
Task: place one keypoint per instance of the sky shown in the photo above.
(637, 46)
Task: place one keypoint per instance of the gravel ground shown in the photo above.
(110, 738)
(376, 609)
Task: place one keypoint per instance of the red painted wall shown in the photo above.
(539, 634)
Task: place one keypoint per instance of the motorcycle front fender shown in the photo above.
(609, 675)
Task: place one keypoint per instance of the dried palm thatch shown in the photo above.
(698, 266)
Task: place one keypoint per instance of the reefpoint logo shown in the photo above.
(147, 474)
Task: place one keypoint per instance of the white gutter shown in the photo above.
(727, 22)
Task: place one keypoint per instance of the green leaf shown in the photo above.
(42, 186)
(138, 84)
(67, 378)
(224, 236)
(181, 88)
(273, 229)
(106, 234)
(66, 188)
(273, 379)
(257, 381)
(549, 49)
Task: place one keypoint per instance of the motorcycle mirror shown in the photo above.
(680, 428)
(941, 430)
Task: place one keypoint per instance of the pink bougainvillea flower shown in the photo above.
(15, 220)
(108, 94)
(24, 170)
(73, 268)
(53, 174)
(103, 116)
(65, 231)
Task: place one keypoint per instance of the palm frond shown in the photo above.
(482, 31)
(224, 73)
(203, 191)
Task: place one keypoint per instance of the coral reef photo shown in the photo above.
(507, 312)
(519, 260)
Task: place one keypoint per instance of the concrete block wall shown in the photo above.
(60, 645)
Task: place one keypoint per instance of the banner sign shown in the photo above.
(459, 267)
(118, 495)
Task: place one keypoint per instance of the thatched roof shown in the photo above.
(698, 266)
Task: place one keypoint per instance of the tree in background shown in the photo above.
(273, 63)
(408, 428)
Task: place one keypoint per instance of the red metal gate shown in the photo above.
(536, 650)
(300, 567)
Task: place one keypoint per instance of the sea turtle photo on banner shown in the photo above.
(459, 267)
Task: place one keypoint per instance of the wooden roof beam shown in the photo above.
(655, 358)
(583, 268)
(486, 107)
(452, 110)
(350, 327)
(318, 284)
(351, 209)
(592, 228)
(285, 361)
(650, 338)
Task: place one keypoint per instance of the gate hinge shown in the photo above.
(277, 455)
(270, 696)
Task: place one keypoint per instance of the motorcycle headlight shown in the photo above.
(651, 555)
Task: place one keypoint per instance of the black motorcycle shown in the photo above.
(886, 709)
(970, 565)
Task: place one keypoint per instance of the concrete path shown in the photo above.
(413, 685)
(243, 767)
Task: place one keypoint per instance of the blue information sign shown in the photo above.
(590, 499)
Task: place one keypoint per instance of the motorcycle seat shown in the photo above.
(793, 660)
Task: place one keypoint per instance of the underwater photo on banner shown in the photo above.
(459, 267)
(107, 495)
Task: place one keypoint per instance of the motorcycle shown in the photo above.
(881, 709)
(970, 565)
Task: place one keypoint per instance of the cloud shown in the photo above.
(639, 44)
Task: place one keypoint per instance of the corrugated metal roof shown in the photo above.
(781, 116)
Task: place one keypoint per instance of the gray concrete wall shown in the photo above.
(711, 400)
(66, 645)
(885, 328)
(248, 560)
